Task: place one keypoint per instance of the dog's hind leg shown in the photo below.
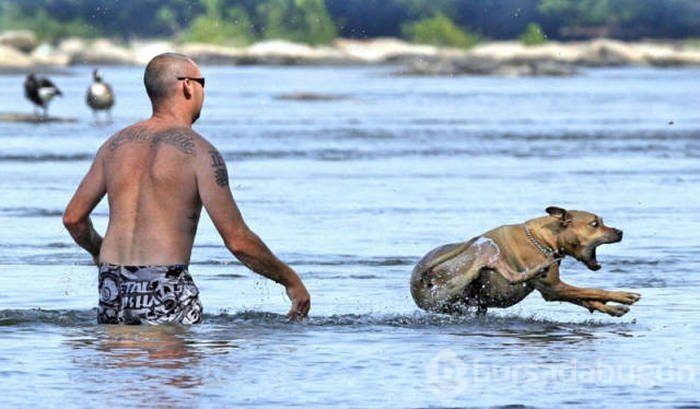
(449, 279)
(447, 282)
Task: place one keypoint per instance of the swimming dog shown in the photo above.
(503, 266)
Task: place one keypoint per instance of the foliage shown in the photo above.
(625, 19)
(43, 25)
(297, 20)
(320, 21)
(533, 35)
(508, 19)
(439, 30)
(581, 11)
(219, 25)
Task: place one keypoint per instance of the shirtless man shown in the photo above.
(157, 174)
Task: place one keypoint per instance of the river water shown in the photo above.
(352, 192)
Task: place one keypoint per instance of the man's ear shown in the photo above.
(187, 89)
(559, 213)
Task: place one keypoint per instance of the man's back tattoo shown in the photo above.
(180, 138)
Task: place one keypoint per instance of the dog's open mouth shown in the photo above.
(590, 260)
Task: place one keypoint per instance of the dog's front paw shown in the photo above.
(624, 297)
(616, 310)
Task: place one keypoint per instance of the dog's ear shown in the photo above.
(561, 214)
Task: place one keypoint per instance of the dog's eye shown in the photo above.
(594, 223)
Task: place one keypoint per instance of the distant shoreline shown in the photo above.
(20, 53)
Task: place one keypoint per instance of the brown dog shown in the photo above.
(502, 266)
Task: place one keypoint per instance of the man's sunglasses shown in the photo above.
(200, 80)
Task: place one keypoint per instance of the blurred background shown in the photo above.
(440, 37)
(445, 22)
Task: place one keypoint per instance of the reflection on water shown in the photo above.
(145, 357)
(160, 366)
(147, 346)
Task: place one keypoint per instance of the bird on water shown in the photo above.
(99, 96)
(40, 91)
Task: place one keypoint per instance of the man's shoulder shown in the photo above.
(202, 144)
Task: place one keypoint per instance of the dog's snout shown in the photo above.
(618, 232)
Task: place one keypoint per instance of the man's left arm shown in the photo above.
(76, 218)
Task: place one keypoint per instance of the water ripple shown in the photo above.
(418, 319)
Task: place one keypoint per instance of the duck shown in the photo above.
(99, 95)
(40, 91)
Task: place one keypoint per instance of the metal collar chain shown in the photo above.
(546, 251)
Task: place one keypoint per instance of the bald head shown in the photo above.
(161, 75)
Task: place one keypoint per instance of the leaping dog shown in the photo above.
(503, 266)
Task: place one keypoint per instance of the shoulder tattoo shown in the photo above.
(180, 138)
(139, 135)
(219, 166)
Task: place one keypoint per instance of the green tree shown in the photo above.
(438, 30)
(306, 21)
(619, 18)
(319, 21)
(44, 25)
(533, 35)
(219, 26)
(166, 18)
(589, 12)
(421, 8)
(597, 12)
(315, 21)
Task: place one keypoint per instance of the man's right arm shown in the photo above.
(216, 196)
(76, 217)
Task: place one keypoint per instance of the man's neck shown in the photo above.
(171, 118)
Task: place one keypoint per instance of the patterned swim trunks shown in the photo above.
(147, 294)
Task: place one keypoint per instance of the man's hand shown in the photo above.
(301, 301)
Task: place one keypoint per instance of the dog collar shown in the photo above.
(546, 251)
